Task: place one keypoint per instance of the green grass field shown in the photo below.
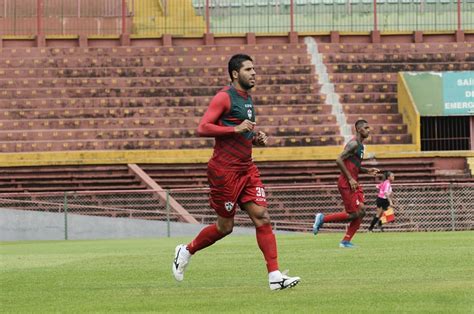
(389, 272)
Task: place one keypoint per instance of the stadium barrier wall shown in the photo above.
(141, 213)
(176, 156)
(20, 225)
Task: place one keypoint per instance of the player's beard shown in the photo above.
(245, 84)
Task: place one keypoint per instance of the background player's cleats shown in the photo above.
(346, 244)
(181, 260)
(284, 282)
(318, 223)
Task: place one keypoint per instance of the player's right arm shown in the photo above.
(349, 150)
(208, 126)
(219, 106)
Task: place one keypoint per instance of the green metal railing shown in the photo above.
(341, 15)
(191, 17)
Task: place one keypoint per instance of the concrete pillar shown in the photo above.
(418, 37)
(125, 40)
(208, 39)
(83, 43)
(375, 37)
(167, 40)
(40, 41)
(335, 37)
(293, 37)
(459, 36)
(251, 39)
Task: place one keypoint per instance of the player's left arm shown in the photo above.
(260, 139)
(371, 171)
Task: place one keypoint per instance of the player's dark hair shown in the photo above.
(235, 63)
(386, 174)
(359, 123)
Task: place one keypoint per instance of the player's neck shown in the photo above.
(359, 138)
(239, 88)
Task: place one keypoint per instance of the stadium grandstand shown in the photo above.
(100, 101)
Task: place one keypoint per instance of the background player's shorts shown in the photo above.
(352, 199)
(229, 187)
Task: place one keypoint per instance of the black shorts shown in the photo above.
(382, 203)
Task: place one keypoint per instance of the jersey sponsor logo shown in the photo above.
(229, 206)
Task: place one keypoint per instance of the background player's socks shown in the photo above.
(352, 229)
(205, 238)
(336, 217)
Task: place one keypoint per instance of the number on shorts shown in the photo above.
(260, 192)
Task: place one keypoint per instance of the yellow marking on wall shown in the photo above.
(470, 164)
(203, 155)
(178, 17)
(408, 110)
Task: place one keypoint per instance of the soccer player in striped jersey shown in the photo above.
(350, 164)
(232, 175)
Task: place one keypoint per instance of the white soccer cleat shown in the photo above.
(285, 282)
(318, 223)
(181, 260)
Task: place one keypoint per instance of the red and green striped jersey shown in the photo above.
(353, 164)
(229, 108)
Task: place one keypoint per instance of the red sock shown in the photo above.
(336, 217)
(205, 238)
(352, 229)
(267, 244)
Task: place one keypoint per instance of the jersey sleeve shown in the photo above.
(209, 126)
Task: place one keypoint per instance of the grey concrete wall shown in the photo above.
(30, 225)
